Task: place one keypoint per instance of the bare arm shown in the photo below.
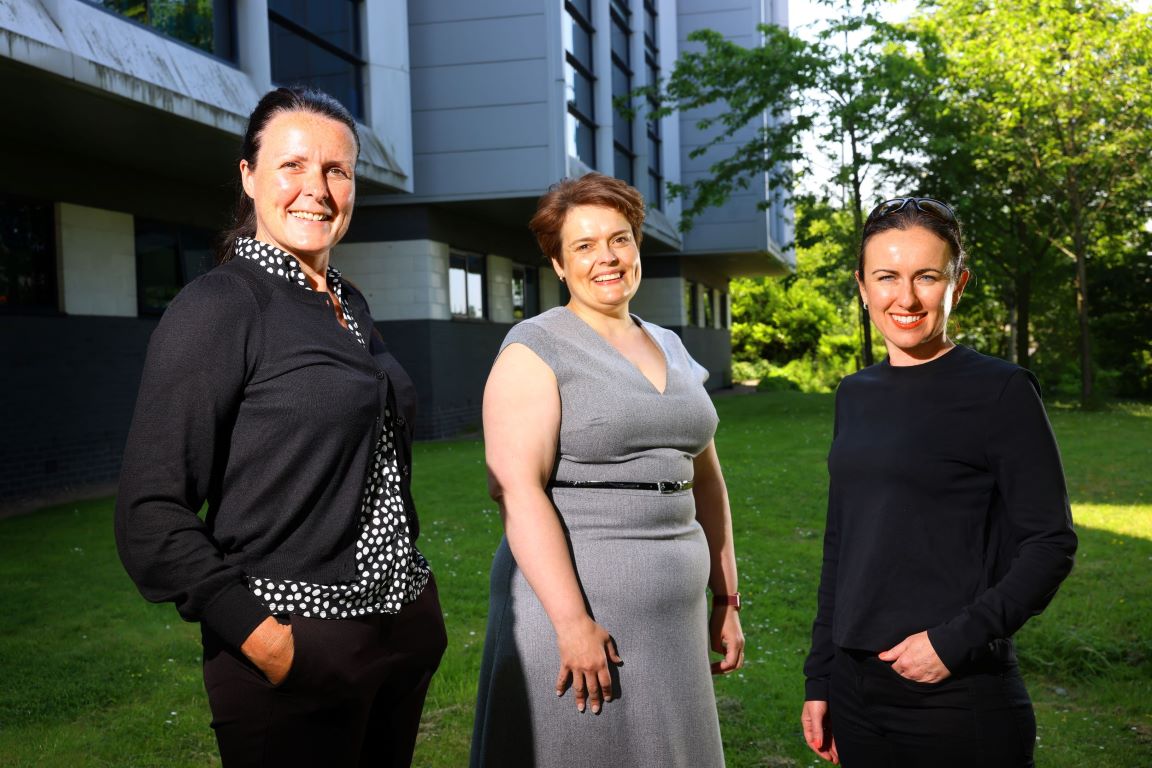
(817, 731)
(715, 517)
(521, 427)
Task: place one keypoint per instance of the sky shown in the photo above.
(803, 13)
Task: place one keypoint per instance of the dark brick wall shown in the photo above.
(449, 362)
(712, 348)
(67, 390)
(68, 386)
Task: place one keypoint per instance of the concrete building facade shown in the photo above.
(120, 145)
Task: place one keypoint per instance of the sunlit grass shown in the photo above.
(1121, 519)
(91, 675)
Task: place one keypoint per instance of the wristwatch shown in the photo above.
(727, 601)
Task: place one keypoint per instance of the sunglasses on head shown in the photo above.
(927, 205)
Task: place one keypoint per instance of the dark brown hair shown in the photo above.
(294, 99)
(910, 216)
(590, 189)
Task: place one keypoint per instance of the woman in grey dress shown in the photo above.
(598, 438)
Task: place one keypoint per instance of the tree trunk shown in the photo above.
(866, 358)
(1023, 288)
(1082, 314)
(1012, 332)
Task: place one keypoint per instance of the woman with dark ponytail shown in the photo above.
(270, 398)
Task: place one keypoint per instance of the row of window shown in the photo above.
(581, 79)
(318, 44)
(468, 287)
(707, 311)
(168, 256)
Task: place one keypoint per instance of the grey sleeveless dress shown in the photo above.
(642, 561)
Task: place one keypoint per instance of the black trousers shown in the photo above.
(353, 696)
(978, 718)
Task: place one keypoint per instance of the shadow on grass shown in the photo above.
(1106, 453)
(1100, 622)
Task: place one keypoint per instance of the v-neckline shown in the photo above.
(621, 356)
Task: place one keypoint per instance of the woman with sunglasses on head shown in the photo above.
(948, 525)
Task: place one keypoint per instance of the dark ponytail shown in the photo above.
(294, 99)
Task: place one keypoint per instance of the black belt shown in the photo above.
(664, 486)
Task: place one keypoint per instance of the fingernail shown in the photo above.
(595, 709)
(580, 707)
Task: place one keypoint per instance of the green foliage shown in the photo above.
(778, 319)
(803, 328)
(1121, 279)
(1033, 118)
(95, 676)
(1042, 122)
(855, 96)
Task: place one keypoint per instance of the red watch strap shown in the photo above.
(732, 601)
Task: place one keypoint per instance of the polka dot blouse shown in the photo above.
(390, 570)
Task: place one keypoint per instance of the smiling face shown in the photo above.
(600, 261)
(908, 285)
(302, 184)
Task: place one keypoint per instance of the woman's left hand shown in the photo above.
(727, 638)
(916, 659)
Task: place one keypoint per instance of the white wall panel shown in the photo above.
(97, 251)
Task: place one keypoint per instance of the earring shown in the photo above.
(562, 278)
(865, 306)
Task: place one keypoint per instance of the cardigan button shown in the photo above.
(381, 375)
(400, 421)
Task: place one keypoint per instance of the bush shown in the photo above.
(750, 371)
(776, 383)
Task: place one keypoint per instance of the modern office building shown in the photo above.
(119, 145)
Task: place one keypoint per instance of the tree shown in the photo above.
(848, 89)
(1056, 115)
(803, 323)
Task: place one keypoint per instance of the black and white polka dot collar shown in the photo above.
(278, 262)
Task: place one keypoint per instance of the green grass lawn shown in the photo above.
(91, 675)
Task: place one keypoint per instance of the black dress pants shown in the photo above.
(980, 718)
(352, 697)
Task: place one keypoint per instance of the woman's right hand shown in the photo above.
(817, 731)
(271, 649)
(586, 649)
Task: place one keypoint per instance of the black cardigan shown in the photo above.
(255, 400)
(947, 512)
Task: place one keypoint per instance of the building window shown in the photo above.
(725, 320)
(204, 24)
(27, 256)
(168, 257)
(580, 81)
(690, 302)
(655, 141)
(318, 44)
(466, 284)
(709, 307)
(623, 155)
(525, 293)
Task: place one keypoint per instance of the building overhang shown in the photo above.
(82, 81)
(734, 263)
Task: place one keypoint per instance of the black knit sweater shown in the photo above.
(254, 400)
(947, 512)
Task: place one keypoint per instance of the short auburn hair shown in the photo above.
(590, 189)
